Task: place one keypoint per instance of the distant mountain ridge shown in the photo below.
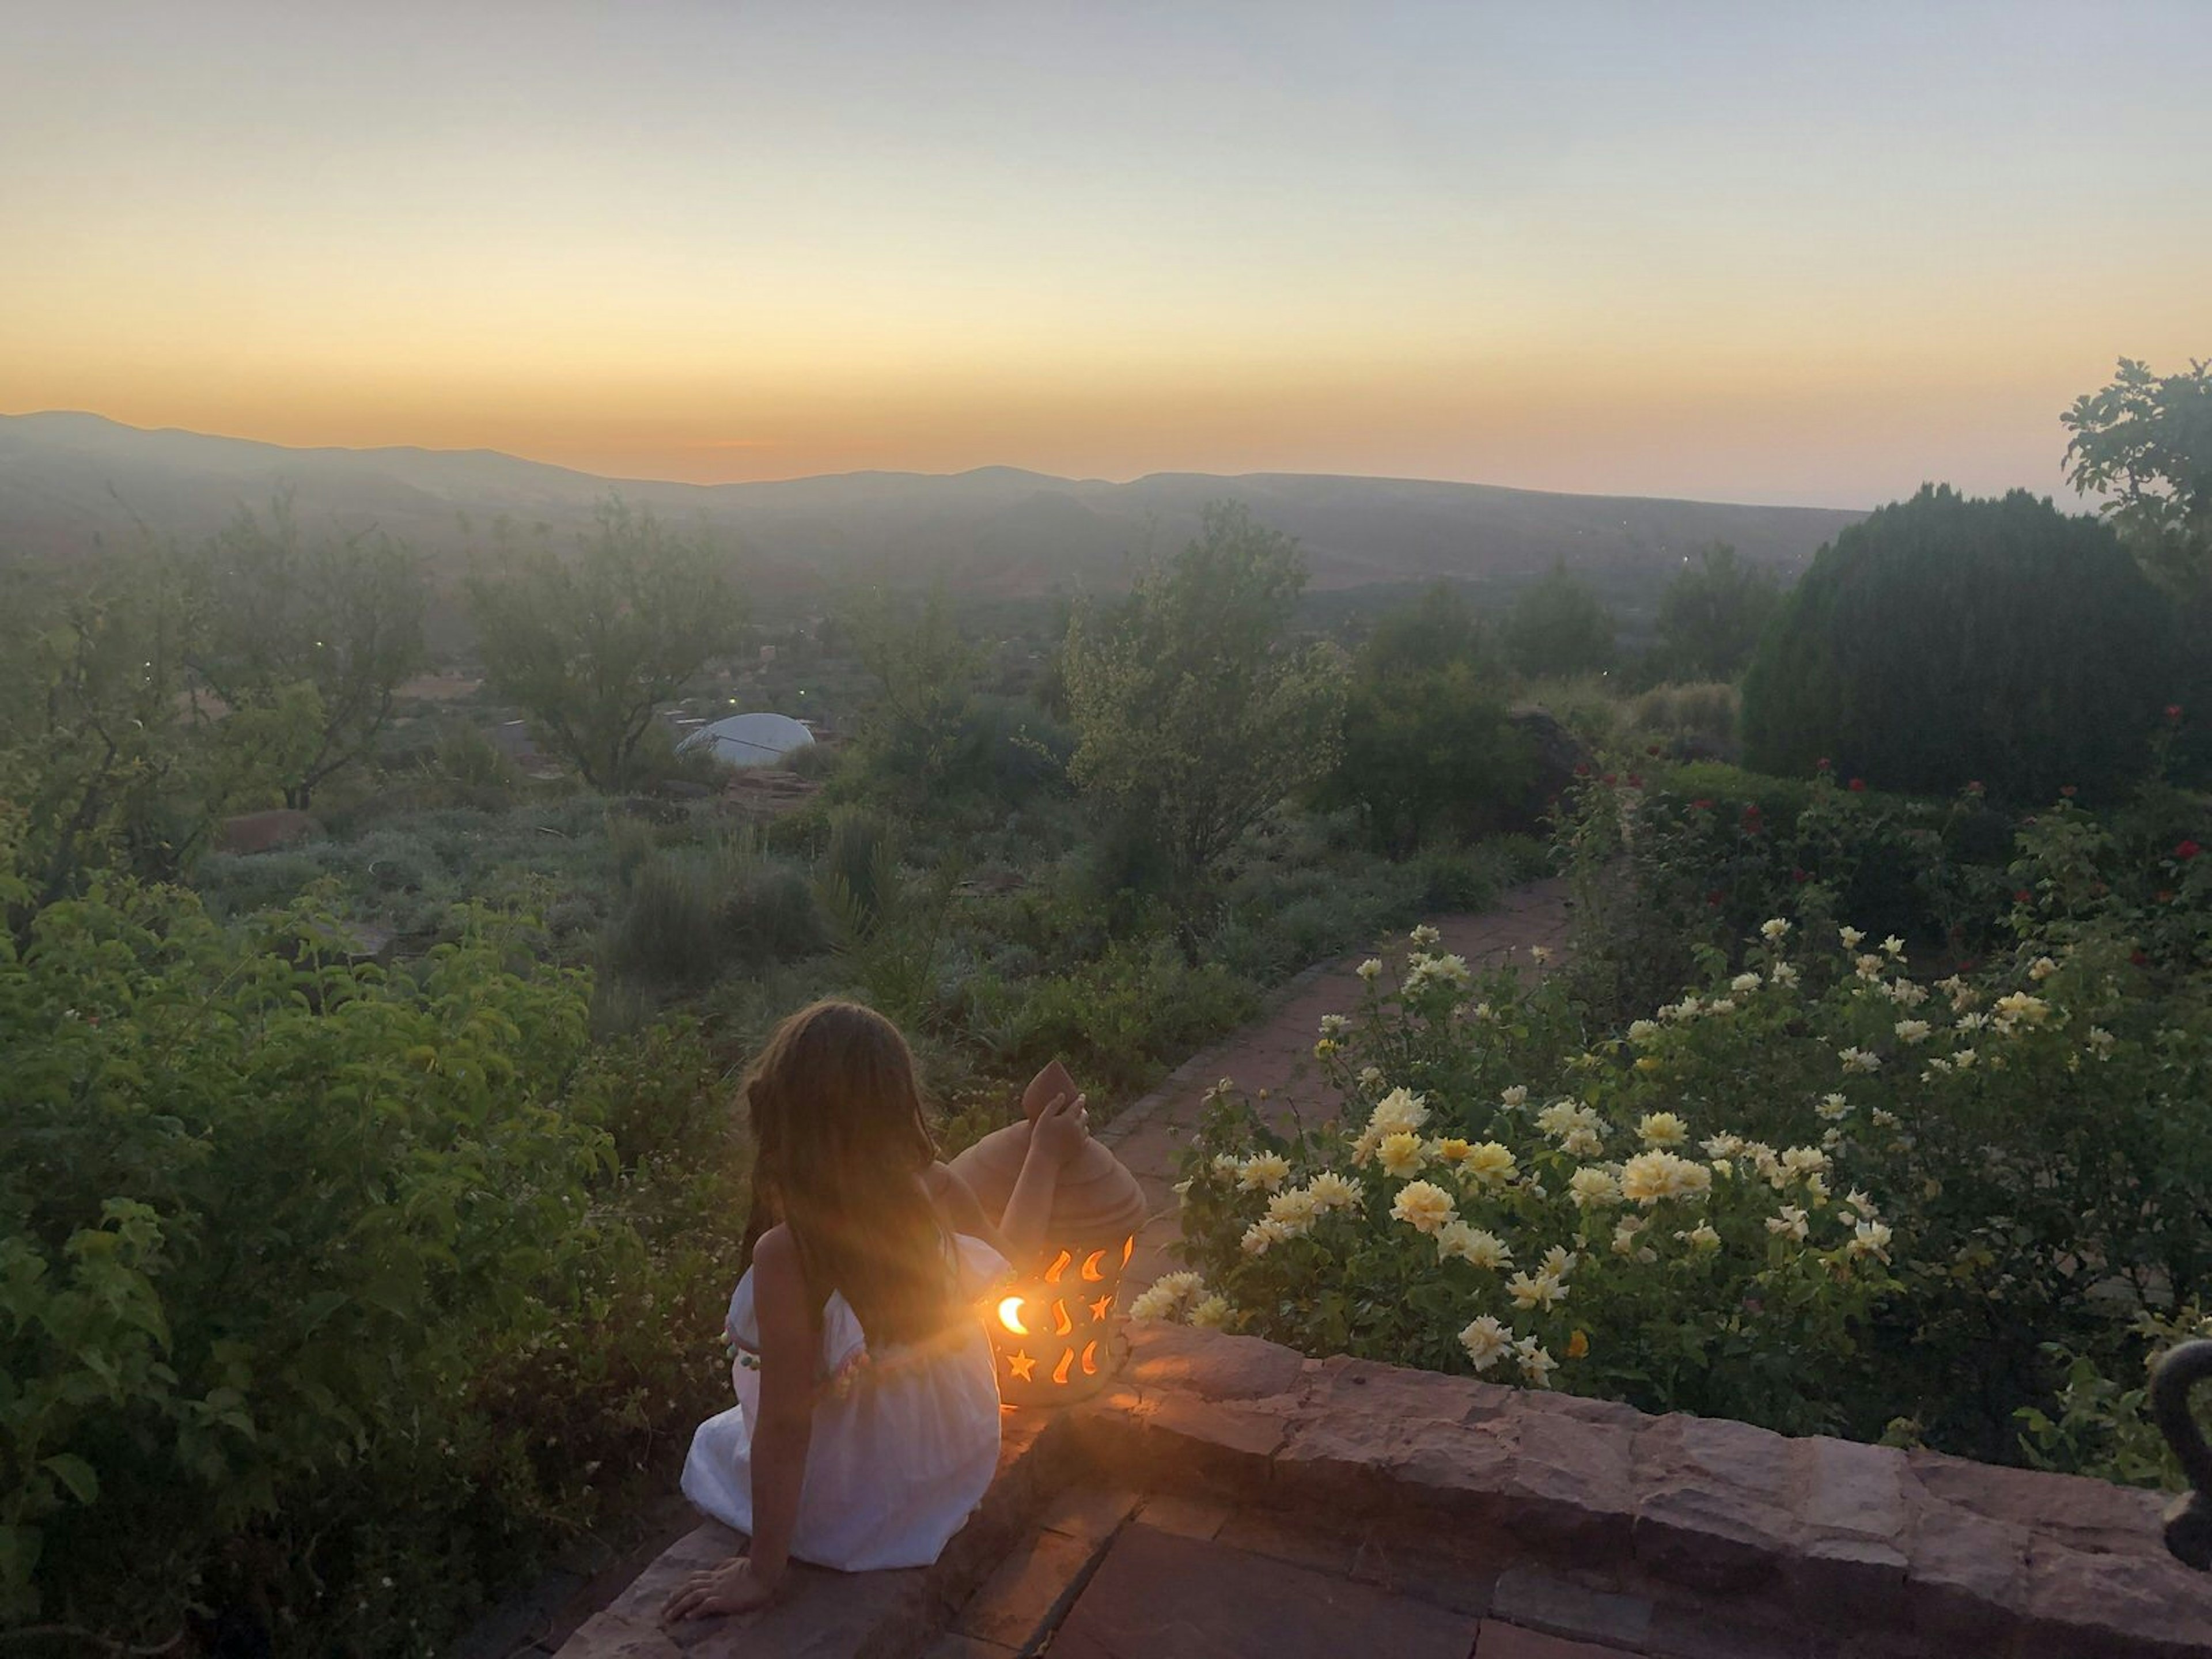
(69, 481)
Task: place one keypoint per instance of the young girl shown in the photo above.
(866, 1425)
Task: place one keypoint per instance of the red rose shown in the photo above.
(1858, 786)
(1582, 769)
(1635, 780)
(2067, 790)
(2022, 895)
(1652, 750)
(2165, 896)
(1974, 786)
(1702, 805)
(2173, 711)
(2140, 960)
(2186, 851)
(1713, 898)
(1821, 764)
(1800, 875)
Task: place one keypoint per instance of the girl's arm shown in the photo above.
(1020, 1234)
(781, 1436)
(1061, 1127)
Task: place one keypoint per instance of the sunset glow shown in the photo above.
(1749, 252)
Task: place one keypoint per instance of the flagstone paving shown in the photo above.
(1226, 1499)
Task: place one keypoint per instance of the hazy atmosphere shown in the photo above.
(955, 830)
(1746, 253)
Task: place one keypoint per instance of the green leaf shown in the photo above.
(76, 1473)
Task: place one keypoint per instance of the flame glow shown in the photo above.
(1010, 1316)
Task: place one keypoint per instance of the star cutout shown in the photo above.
(1021, 1367)
(1098, 1308)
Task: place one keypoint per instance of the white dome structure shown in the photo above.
(750, 740)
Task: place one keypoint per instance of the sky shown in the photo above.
(1777, 251)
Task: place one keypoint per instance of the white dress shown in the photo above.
(905, 1441)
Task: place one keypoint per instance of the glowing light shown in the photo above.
(1021, 1367)
(1059, 1371)
(1051, 1274)
(1101, 1308)
(1091, 1359)
(1091, 1270)
(1010, 1316)
(1061, 1324)
(1128, 1249)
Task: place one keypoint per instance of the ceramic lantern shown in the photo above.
(1055, 1337)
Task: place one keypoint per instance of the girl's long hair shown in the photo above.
(841, 1148)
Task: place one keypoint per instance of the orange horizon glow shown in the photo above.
(1725, 254)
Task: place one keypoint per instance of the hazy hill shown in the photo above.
(68, 481)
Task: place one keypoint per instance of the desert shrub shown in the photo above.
(1945, 641)
(464, 754)
(693, 912)
(230, 1171)
(1113, 1019)
(860, 866)
(1705, 710)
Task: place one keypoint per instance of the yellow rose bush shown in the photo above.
(1819, 1192)
(1495, 1198)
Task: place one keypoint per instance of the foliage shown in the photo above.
(1426, 742)
(1944, 641)
(2103, 1427)
(2145, 441)
(1194, 716)
(590, 646)
(1494, 1197)
(1712, 614)
(691, 913)
(1558, 626)
(233, 1173)
(96, 758)
(2031, 1133)
(304, 643)
(924, 676)
(1703, 714)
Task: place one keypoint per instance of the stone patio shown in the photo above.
(1227, 1498)
(1230, 1499)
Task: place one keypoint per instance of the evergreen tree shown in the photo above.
(1946, 640)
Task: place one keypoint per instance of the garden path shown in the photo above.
(1273, 1057)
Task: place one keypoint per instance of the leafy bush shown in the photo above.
(1494, 1198)
(1112, 1020)
(2034, 1134)
(327, 1296)
(1944, 641)
(1706, 711)
(693, 912)
(1427, 745)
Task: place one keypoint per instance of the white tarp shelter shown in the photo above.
(751, 739)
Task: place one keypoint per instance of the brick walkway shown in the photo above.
(1276, 1054)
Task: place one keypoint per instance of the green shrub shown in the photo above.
(860, 867)
(1911, 1188)
(693, 912)
(327, 1298)
(1706, 710)
(1944, 641)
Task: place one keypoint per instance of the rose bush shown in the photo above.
(1818, 1191)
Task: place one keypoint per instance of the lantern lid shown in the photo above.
(1096, 1195)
